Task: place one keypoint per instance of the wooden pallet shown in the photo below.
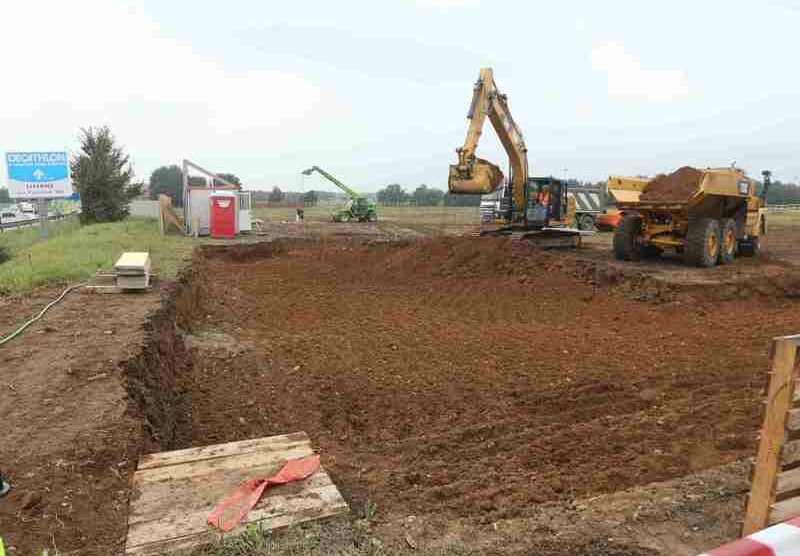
(775, 490)
(173, 492)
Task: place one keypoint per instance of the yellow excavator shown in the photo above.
(541, 209)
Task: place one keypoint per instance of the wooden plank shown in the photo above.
(790, 453)
(174, 492)
(174, 457)
(793, 420)
(779, 400)
(185, 542)
(788, 481)
(219, 465)
(160, 498)
(313, 502)
(784, 510)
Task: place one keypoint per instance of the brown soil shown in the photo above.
(71, 438)
(476, 378)
(677, 186)
(460, 381)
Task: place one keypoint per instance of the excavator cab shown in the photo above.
(547, 202)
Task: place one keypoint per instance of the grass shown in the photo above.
(784, 219)
(339, 538)
(424, 218)
(73, 252)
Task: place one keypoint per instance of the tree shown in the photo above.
(392, 195)
(451, 200)
(276, 196)
(425, 196)
(4, 196)
(167, 180)
(310, 199)
(232, 178)
(102, 173)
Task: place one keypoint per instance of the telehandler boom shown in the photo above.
(358, 208)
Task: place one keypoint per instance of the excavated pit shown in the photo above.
(472, 378)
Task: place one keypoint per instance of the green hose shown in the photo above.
(25, 325)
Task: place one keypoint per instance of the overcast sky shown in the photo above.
(377, 91)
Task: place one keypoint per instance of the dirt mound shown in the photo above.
(477, 377)
(243, 253)
(677, 186)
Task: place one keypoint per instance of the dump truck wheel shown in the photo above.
(586, 222)
(727, 238)
(626, 246)
(702, 242)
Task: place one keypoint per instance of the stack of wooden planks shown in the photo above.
(775, 490)
(173, 492)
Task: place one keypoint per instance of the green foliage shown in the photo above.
(102, 173)
(425, 196)
(393, 195)
(231, 178)
(5, 198)
(451, 200)
(167, 180)
(5, 254)
(276, 195)
(783, 193)
(310, 199)
(74, 253)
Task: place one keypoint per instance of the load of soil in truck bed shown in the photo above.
(677, 186)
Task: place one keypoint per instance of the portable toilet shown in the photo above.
(222, 214)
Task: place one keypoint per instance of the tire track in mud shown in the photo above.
(478, 377)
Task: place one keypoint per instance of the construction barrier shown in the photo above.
(779, 540)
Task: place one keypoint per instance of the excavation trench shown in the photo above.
(467, 378)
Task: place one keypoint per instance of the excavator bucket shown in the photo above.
(480, 177)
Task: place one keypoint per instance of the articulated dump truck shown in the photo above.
(710, 216)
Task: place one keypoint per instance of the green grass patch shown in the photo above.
(426, 218)
(74, 253)
(315, 540)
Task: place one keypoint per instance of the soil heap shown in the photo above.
(677, 186)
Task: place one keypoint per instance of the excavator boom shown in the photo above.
(473, 175)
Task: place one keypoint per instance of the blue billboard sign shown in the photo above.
(38, 175)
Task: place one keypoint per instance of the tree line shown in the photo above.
(103, 175)
(423, 196)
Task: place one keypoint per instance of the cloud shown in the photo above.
(628, 79)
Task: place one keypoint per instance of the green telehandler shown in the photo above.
(358, 208)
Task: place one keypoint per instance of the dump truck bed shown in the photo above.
(688, 187)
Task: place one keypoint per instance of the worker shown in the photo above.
(300, 214)
(543, 198)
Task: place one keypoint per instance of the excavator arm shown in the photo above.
(473, 175)
(350, 192)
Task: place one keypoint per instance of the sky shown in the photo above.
(377, 92)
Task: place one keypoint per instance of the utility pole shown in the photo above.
(42, 209)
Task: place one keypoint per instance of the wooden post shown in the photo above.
(780, 397)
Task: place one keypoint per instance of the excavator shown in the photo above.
(541, 209)
(358, 208)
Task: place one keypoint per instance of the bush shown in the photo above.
(5, 254)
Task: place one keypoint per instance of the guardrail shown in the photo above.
(784, 208)
(34, 222)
